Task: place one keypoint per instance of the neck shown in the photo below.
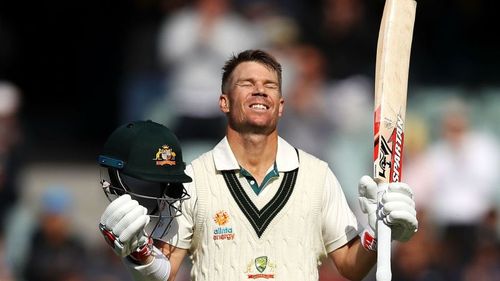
(254, 152)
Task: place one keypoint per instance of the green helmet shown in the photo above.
(145, 150)
(144, 159)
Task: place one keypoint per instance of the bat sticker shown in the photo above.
(384, 163)
(391, 153)
(397, 147)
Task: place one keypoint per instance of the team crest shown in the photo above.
(165, 156)
(261, 263)
(261, 267)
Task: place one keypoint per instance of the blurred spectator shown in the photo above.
(105, 265)
(142, 80)
(345, 31)
(417, 259)
(281, 35)
(485, 263)
(416, 164)
(350, 148)
(305, 120)
(329, 118)
(10, 138)
(193, 44)
(463, 166)
(5, 266)
(56, 253)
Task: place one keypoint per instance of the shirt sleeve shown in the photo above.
(181, 229)
(339, 222)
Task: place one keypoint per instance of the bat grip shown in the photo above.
(383, 245)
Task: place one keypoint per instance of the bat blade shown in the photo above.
(391, 83)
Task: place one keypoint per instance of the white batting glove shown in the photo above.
(367, 191)
(396, 209)
(122, 225)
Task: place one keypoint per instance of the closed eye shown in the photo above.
(245, 84)
(272, 86)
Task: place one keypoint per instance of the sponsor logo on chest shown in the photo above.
(222, 229)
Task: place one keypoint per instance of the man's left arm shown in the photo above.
(352, 260)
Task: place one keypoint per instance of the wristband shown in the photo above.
(143, 253)
(156, 270)
(368, 240)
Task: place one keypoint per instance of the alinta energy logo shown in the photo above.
(222, 231)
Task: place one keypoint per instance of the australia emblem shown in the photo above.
(261, 268)
(261, 263)
(165, 156)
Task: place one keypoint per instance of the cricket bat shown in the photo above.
(391, 84)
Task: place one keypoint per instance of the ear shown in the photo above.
(281, 107)
(224, 103)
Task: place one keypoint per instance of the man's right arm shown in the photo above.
(165, 264)
(122, 225)
(175, 256)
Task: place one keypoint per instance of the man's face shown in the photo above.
(253, 101)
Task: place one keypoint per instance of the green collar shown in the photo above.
(272, 174)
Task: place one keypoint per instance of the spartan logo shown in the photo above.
(397, 144)
(392, 153)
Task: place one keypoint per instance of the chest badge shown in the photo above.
(223, 230)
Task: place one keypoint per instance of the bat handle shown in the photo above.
(383, 246)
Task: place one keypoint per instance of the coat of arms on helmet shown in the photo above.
(165, 156)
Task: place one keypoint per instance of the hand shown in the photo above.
(367, 191)
(122, 225)
(396, 208)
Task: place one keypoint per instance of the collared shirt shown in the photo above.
(286, 161)
(335, 212)
(272, 174)
(286, 157)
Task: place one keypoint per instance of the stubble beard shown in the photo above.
(246, 127)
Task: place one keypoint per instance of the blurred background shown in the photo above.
(72, 71)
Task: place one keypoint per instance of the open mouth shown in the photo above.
(259, 106)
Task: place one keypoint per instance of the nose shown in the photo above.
(258, 93)
(260, 90)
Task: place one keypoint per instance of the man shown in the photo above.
(261, 208)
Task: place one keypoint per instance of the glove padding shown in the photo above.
(122, 225)
(395, 207)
